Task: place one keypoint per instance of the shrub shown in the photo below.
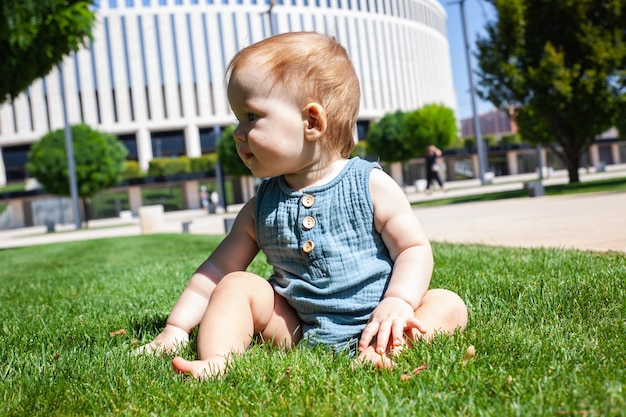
(204, 163)
(132, 170)
(164, 167)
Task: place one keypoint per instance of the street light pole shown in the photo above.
(219, 174)
(482, 157)
(69, 150)
(269, 14)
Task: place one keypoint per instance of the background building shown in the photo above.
(495, 123)
(154, 73)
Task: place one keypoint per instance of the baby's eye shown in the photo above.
(251, 117)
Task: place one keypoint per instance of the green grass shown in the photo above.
(549, 327)
(607, 185)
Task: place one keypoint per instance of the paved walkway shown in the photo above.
(583, 221)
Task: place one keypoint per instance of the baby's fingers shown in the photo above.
(398, 332)
(382, 338)
(415, 324)
(368, 335)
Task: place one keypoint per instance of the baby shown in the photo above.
(351, 263)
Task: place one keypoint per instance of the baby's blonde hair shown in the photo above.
(316, 67)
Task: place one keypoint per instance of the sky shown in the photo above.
(477, 13)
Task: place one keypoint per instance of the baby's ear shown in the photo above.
(315, 124)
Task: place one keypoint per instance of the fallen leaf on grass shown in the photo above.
(469, 354)
(414, 372)
(117, 332)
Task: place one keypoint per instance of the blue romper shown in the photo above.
(330, 263)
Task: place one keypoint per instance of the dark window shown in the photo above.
(15, 158)
(208, 140)
(362, 126)
(168, 144)
(130, 142)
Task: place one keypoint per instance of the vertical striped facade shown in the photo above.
(154, 73)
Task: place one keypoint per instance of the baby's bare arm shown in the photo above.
(234, 253)
(411, 254)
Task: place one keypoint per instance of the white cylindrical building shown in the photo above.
(154, 73)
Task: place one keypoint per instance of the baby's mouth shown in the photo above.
(245, 156)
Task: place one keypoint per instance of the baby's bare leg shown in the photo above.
(441, 311)
(241, 306)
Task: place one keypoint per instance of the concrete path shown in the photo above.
(583, 221)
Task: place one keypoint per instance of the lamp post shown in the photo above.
(219, 174)
(482, 157)
(269, 14)
(69, 150)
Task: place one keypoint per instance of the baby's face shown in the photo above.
(270, 135)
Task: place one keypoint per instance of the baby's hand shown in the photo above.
(170, 340)
(388, 323)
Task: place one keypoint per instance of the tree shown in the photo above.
(559, 64)
(228, 156)
(620, 123)
(433, 124)
(99, 159)
(384, 139)
(35, 35)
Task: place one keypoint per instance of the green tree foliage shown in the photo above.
(99, 159)
(228, 156)
(560, 64)
(384, 139)
(35, 35)
(360, 149)
(433, 124)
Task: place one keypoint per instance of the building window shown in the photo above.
(160, 57)
(168, 144)
(130, 142)
(15, 158)
(144, 67)
(208, 140)
(129, 80)
(107, 35)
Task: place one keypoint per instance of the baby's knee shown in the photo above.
(242, 282)
(457, 309)
(449, 306)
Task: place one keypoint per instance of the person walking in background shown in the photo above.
(204, 197)
(214, 199)
(433, 168)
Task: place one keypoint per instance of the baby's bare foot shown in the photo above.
(380, 360)
(215, 366)
(170, 340)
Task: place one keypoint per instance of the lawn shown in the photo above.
(593, 186)
(548, 327)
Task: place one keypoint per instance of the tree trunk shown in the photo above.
(572, 162)
(572, 171)
(87, 211)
